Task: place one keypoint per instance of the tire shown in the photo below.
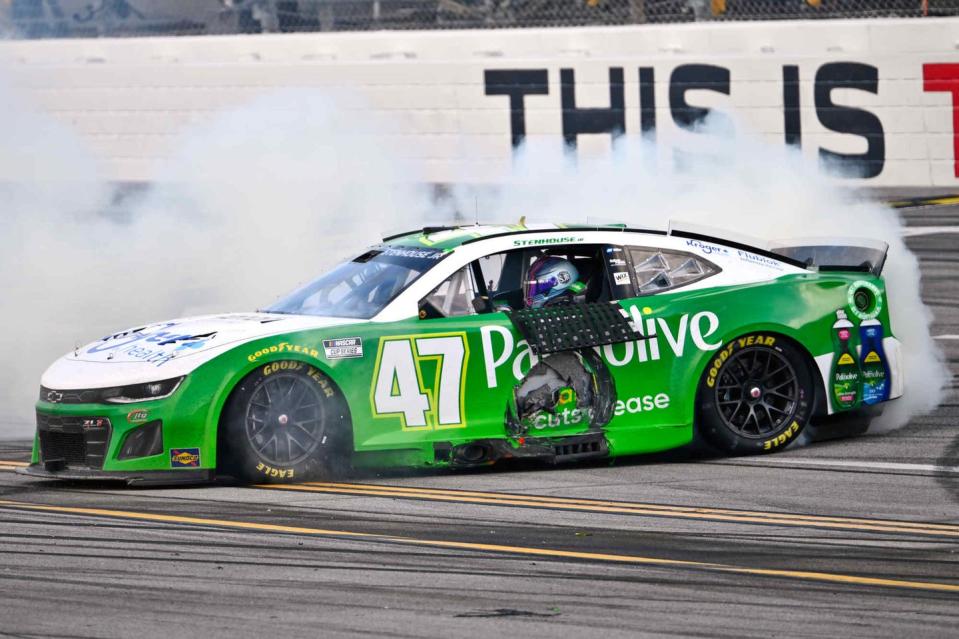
(756, 396)
(285, 422)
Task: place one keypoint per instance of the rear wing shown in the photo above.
(814, 253)
(836, 254)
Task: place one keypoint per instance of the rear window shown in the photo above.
(659, 270)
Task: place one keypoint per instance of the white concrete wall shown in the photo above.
(131, 98)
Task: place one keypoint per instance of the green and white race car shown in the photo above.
(464, 346)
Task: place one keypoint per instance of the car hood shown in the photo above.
(170, 349)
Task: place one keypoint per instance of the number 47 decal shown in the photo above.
(399, 387)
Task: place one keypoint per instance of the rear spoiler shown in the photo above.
(816, 253)
(836, 254)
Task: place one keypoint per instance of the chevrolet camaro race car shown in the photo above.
(463, 346)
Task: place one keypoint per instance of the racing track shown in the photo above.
(842, 538)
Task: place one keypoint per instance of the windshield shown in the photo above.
(361, 287)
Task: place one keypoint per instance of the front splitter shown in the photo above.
(143, 478)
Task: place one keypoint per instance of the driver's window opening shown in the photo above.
(659, 270)
(520, 279)
(453, 298)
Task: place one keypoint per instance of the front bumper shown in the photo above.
(132, 478)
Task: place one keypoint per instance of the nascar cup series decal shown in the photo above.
(343, 348)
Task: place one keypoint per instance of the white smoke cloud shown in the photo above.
(254, 202)
(259, 198)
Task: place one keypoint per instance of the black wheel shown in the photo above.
(756, 396)
(284, 422)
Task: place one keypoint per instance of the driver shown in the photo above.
(552, 280)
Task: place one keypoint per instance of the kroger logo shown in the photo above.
(708, 249)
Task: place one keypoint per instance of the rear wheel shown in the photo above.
(285, 422)
(756, 396)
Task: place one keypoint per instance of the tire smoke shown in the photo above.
(253, 202)
(263, 197)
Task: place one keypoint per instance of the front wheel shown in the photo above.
(284, 422)
(756, 396)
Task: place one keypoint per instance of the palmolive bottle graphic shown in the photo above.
(845, 371)
(872, 363)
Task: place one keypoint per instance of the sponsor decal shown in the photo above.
(54, 397)
(621, 278)
(269, 471)
(573, 416)
(643, 404)
(565, 239)
(148, 355)
(146, 343)
(95, 423)
(411, 252)
(138, 416)
(672, 335)
(283, 347)
(184, 457)
(708, 249)
(615, 261)
(760, 260)
(343, 348)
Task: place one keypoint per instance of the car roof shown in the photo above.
(451, 237)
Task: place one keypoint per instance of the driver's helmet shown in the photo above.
(549, 277)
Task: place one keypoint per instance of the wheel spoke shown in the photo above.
(786, 383)
(778, 394)
(290, 398)
(769, 407)
(763, 414)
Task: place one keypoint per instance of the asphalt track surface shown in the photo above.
(843, 538)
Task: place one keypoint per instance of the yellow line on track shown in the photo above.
(940, 201)
(513, 550)
(12, 464)
(683, 512)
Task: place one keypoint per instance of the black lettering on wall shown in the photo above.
(850, 120)
(689, 77)
(576, 121)
(647, 102)
(517, 83)
(792, 122)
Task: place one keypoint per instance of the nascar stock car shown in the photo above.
(462, 346)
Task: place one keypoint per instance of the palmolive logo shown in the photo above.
(500, 347)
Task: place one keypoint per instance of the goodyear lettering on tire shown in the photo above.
(275, 367)
(723, 355)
